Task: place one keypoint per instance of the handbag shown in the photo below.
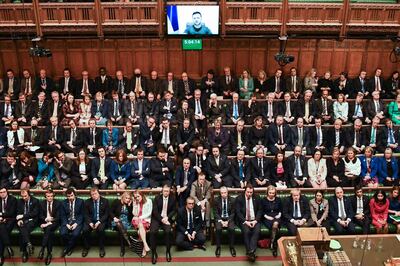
(136, 245)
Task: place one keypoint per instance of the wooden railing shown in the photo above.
(236, 17)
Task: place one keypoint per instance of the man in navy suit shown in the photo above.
(96, 219)
(72, 218)
(279, 136)
(184, 177)
(8, 207)
(100, 169)
(67, 84)
(140, 171)
(27, 219)
(296, 211)
(341, 213)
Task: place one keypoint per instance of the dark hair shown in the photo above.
(358, 187)
(70, 191)
(196, 12)
(380, 191)
(319, 191)
(249, 186)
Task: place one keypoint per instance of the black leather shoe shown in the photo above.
(48, 258)
(122, 252)
(218, 252)
(10, 252)
(168, 255)
(1, 261)
(202, 247)
(24, 256)
(233, 252)
(274, 253)
(69, 252)
(29, 248)
(154, 257)
(64, 253)
(85, 252)
(252, 257)
(41, 254)
(102, 253)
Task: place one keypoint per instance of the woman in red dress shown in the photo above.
(379, 207)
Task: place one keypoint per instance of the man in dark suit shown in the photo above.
(296, 211)
(73, 140)
(97, 212)
(375, 107)
(324, 107)
(341, 213)
(129, 138)
(209, 84)
(373, 135)
(43, 84)
(389, 136)
(199, 105)
(279, 136)
(229, 83)
(167, 136)
(270, 108)
(276, 84)
(218, 169)
(224, 213)
(360, 84)
(140, 171)
(318, 138)
(298, 169)
(248, 218)
(133, 109)
(184, 177)
(300, 135)
(294, 84)
(49, 222)
(185, 113)
(139, 84)
(306, 107)
(27, 219)
(239, 170)
(67, 84)
(121, 84)
(27, 84)
(116, 109)
(11, 84)
(219, 136)
(8, 207)
(336, 137)
(22, 110)
(235, 110)
(184, 137)
(148, 136)
(55, 106)
(288, 109)
(198, 159)
(150, 107)
(53, 135)
(10, 171)
(39, 109)
(357, 108)
(92, 137)
(258, 171)
(162, 216)
(103, 82)
(71, 220)
(62, 170)
(189, 228)
(170, 84)
(7, 111)
(85, 86)
(186, 87)
(100, 169)
(34, 136)
(200, 191)
(360, 204)
(239, 138)
(154, 84)
(376, 83)
(160, 170)
(355, 137)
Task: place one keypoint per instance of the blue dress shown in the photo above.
(124, 219)
(394, 205)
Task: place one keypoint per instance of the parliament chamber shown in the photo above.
(199, 126)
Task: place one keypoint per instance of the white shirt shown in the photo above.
(360, 205)
(252, 215)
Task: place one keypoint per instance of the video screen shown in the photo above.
(192, 20)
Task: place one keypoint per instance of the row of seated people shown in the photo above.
(224, 85)
(59, 171)
(74, 217)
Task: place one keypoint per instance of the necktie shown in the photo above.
(325, 109)
(239, 141)
(296, 210)
(376, 106)
(85, 87)
(294, 84)
(391, 137)
(190, 221)
(357, 109)
(133, 110)
(278, 85)
(360, 205)
(248, 209)
(337, 140)
(49, 208)
(241, 176)
(373, 135)
(297, 167)
(362, 85)
(341, 210)
(129, 140)
(198, 107)
(66, 85)
(306, 109)
(261, 166)
(165, 137)
(26, 211)
(185, 178)
(93, 140)
(115, 108)
(95, 211)
(357, 140)
(53, 133)
(3, 206)
(164, 208)
(270, 113)
(378, 84)
(120, 86)
(73, 135)
(288, 113)
(318, 136)
(300, 140)
(71, 212)
(280, 134)
(224, 209)
(23, 108)
(235, 111)
(7, 110)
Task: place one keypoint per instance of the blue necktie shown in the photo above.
(241, 171)
(362, 85)
(95, 211)
(235, 111)
(391, 137)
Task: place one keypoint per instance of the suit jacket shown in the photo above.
(55, 212)
(155, 86)
(209, 89)
(10, 210)
(185, 136)
(374, 165)
(275, 109)
(313, 136)
(105, 86)
(79, 88)
(365, 200)
(145, 168)
(145, 132)
(180, 116)
(370, 108)
(383, 169)
(240, 209)
(137, 107)
(372, 84)
(274, 135)
(156, 172)
(221, 139)
(112, 108)
(346, 90)
(271, 84)
(33, 212)
(37, 140)
(158, 206)
(181, 88)
(378, 136)
(218, 208)
(295, 136)
(49, 86)
(234, 138)
(334, 209)
(214, 169)
(290, 85)
(72, 86)
(232, 86)
(357, 87)
(331, 137)
(103, 109)
(180, 177)
(78, 143)
(198, 194)
(3, 109)
(165, 83)
(88, 139)
(385, 135)
(114, 137)
(42, 112)
(351, 135)
(202, 162)
(234, 169)
(16, 87)
(104, 211)
(18, 110)
(291, 161)
(60, 134)
(283, 107)
(76, 173)
(301, 108)
(126, 86)
(253, 171)
(182, 220)
(319, 107)
(79, 211)
(173, 108)
(143, 84)
(352, 110)
(150, 109)
(288, 208)
(229, 110)
(66, 168)
(96, 166)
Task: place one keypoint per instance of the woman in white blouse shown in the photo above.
(352, 168)
(141, 210)
(85, 110)
(341, 108)
(15, 137)
(317, 170)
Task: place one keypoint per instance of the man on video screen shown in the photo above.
(197, 27)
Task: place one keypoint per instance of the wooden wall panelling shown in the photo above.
(324, 56)
(158, 61)
(192, 63)
(338, 62)
(208, 58)
(355, 56)
(242, 55)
